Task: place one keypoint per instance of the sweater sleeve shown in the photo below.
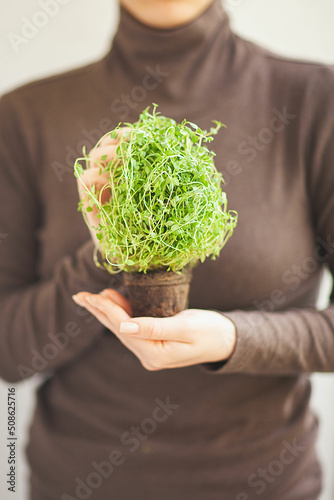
(297, 340)
(41, 328)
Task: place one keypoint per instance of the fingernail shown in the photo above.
(78, 300)
(128, 327)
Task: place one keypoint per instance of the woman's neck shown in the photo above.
(182, 68)
(165, 14)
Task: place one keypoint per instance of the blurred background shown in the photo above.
(79, 32)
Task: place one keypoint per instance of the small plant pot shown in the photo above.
(158, 294)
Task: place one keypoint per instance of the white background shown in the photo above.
(80, 32)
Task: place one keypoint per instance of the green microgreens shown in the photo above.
(167, 208)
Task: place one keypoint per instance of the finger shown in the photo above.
(109, 311)
(174, 328)
(162, 354)
(102, 155)
(112, 310)
(154, 355)
(118, 298)
(101, 317)
(92, 211)
(137, 346)
(111, 323)
(122, 133)
(91, 177)
(85, 183)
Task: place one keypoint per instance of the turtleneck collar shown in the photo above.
(147, 42)
(190, 57)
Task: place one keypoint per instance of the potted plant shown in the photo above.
(165, 211)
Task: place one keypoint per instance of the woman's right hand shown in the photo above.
(96, 176)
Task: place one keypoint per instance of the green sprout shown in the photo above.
(166, 208)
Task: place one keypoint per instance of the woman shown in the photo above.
(222, 410)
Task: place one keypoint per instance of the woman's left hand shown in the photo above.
(190, 337)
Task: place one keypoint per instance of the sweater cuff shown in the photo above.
(245, 346)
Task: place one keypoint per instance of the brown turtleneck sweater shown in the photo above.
(104, 427)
